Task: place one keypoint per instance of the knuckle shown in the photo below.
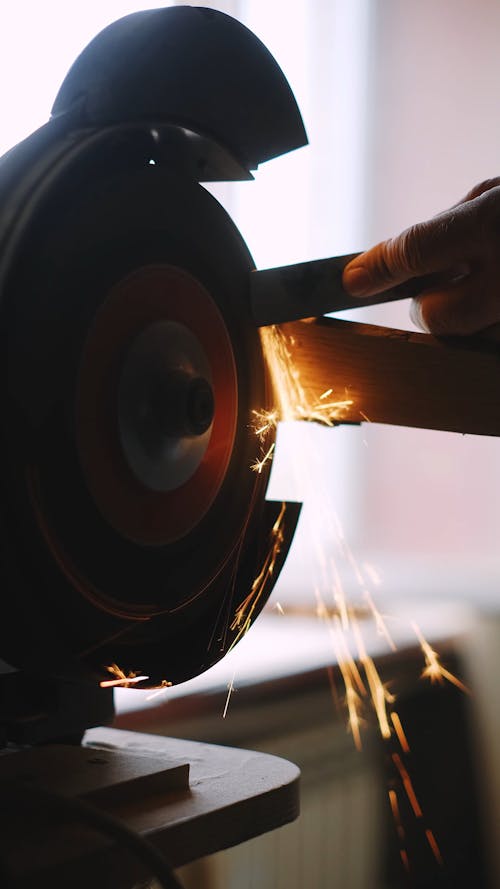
(482, 188)
(488, 215)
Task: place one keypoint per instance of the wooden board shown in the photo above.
(401, 378)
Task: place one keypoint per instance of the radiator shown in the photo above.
(337, 841)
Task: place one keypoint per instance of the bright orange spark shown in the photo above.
(380, 695)
(404, 858)
(347, 657)
(398, 728)
(245, 611)
(350, 674)
(264, 422)
(433, 669)
(431, 839)
(408, 786)
(293, 403)
(292, 400)
(351, 677)
(258, 465)
(393, 799)
(121, 678)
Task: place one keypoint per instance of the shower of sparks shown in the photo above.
(230, 690)
(433, 669)
(121, 679)
(363, 688)
(292, 400)
(354, 688)
(379, 694)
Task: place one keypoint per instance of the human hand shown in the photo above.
(459, 249)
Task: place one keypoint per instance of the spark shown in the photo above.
(353, 684)
(417, 810)
(404, 858)
(431, 839)
(393, 799)
(379, 694)
(160, 690)
(258, 466)
(293, 402)
(408, 785)
(398, 728)
(265, 422)
(279, 608)
(347, 658)
(361, 680)
(230, 690)
(379, 621)
(433, 669)
(243, 617)
(121, 678)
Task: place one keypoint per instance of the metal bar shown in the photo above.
(310, 289)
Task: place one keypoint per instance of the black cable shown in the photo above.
(23, 794)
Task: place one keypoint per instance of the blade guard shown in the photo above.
(195, 67)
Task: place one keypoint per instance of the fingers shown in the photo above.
(458, 255)
(466, 307)
(480, 189)
(439, 245)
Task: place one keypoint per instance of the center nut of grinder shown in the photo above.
(166, 405)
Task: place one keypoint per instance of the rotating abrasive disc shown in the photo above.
(133, 526)
(134, 370)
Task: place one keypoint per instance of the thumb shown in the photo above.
(439, 245)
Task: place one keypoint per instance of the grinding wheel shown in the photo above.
(133, 524)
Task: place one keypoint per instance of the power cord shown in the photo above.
(20, 794)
